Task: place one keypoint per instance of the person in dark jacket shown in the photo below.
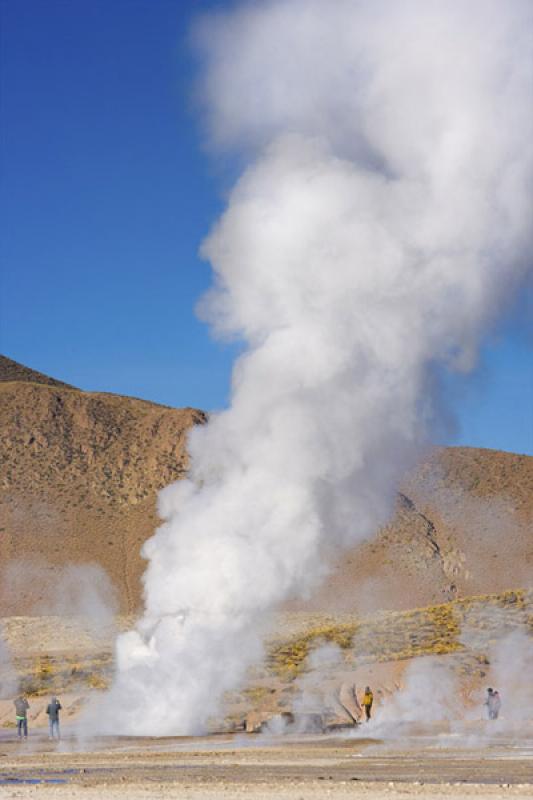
(21, 710)
(53, 708)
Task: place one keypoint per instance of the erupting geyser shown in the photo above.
(382, 222)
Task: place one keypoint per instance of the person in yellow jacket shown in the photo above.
(368, 699)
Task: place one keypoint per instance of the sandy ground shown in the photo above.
(426, 762)
(446, 760)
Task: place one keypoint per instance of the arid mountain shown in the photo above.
(463, 526)
(79, 474)
(13, 371)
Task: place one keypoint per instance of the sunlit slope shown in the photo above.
(463, 526)
(80, 472)
(79, 476)
(11, 370)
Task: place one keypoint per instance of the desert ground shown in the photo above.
(423, 761)
(463, 756)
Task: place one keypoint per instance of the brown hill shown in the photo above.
(13, 371)
(79, 474)
(463, 526)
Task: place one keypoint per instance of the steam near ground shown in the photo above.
(8, 681)
(431, 690)
(83, 591)
(78, 590)
(380, 225)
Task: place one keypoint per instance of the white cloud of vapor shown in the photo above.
(380, 226)
(511, 668)
(8, 680)
(75, 590)
(431, 693)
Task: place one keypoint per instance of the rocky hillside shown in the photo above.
(13, 371)
(463, 526)
(79, 474)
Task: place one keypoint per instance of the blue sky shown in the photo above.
(106, 195)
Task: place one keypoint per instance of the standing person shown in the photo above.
(368, 699)
(21, 708)
(53, 709)
(496, 704)
(493, 703)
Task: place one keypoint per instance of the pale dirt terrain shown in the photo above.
(425, 763)
(294, 791)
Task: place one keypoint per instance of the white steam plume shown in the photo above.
(382, 223)
(8, 677)
(511, 668)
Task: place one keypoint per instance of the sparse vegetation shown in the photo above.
(58, 674)
(464, 627)
(395, 636)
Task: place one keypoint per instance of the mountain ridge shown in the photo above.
(13, 371)
(80, 472)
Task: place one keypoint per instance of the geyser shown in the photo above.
(381, 224)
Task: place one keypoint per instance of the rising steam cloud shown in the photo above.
(381, 224)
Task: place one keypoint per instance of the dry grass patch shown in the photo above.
(55, 674)
(399, 635)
